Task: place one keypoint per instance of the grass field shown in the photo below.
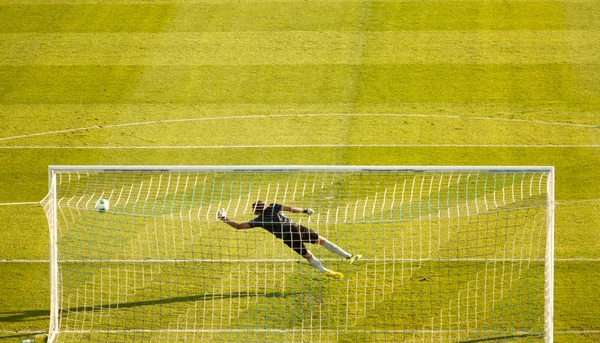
(192, 82)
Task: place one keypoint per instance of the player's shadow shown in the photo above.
(33, 314)
(191, 298)
(502, 338)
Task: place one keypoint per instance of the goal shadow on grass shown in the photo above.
(23, 316)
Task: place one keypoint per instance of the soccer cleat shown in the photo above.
(354, 258)
(334, 275)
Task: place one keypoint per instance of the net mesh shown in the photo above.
(448, 256)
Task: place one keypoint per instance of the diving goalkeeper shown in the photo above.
(273, 219)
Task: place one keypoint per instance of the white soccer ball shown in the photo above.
(102, 205)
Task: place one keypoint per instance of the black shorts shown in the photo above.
(297, 238)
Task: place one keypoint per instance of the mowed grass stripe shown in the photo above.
(408, 83)
(334, 130)
(297, 16)
(77, 117)
(301, 47)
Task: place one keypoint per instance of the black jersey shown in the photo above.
(293, 234)
(275, 221)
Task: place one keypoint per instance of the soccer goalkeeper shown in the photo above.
(273, 219)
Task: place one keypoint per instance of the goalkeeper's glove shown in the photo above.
(221, 214)
(308, 211)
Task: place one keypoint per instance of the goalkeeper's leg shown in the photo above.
(317, 264)
(333, 248)
(295, 241)
(337, 250)
(311, 236)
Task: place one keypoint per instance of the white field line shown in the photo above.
(378, 260)
(285, 146)
(34, 332)
(306, 330)
(311, 330)
(574, 202)
(19, 203)
(142, 2)
(561, 203)
(271, 116)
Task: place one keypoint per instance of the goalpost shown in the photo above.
(450, 254)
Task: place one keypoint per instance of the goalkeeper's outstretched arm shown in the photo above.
(293, 209)
(238, 226)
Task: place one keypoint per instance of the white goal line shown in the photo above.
(384, 260)
(307, 330)
(275, 146)
(564, 332)
(574, 259)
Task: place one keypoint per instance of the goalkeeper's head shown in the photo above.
(258, 207)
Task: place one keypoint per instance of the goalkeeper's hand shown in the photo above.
(221, 214)
(308, 211)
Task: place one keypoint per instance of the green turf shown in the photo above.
(23, 233)
(26, 291)
(297, 16)
(575, 313)
(91, 64)
(525, 84)
(301, 47)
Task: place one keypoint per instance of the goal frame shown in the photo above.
(54, 323)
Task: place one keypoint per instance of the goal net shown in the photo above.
(450, 254)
